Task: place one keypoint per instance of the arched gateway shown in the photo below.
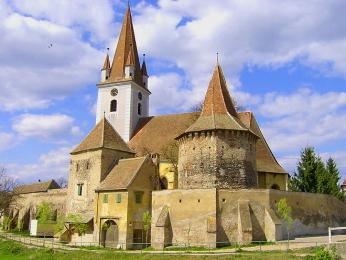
(110, 234)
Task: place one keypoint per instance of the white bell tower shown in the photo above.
(123, 95)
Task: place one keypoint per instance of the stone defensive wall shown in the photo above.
(24, 206)
(211, 216)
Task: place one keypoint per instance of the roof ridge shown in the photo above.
(175, 114)
(134, 158)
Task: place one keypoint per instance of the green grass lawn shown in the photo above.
(13, 250)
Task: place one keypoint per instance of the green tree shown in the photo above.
(333, 179)
(322, 177)
(313, 175)
(44, 213)
(285, 213)
(71, 223)
(146, 224)
(305, 178)
(7, 196)
(7, 223)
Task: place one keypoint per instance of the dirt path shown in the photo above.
(297, 243)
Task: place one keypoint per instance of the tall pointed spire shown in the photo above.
(218, 99)
(126, 45)
(218, 110)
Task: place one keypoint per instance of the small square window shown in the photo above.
(138, 197)
(105, 198)
(118, 198)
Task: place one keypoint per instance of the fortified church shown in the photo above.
(222, 187)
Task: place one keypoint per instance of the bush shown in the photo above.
(324, 253)
(12, 247)
(7, 222)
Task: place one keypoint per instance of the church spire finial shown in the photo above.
(126, 48)
(217, 57)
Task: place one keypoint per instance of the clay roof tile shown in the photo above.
(218, 110)
(103, 136)
(123, 174)
(36, 187)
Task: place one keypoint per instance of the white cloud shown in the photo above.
(302, 102)
(55, 128)
(246, 33)
(85, 16)
(42, 61)
(51, 165)
(7, 140)
(303, 118)
(167, 93)
(289, 162)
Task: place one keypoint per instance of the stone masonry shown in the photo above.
(217, 159)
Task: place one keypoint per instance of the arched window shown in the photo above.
(275, 187)
(139, 108)
(114, 105)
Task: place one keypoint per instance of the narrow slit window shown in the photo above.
(139, 108)
(80, 189)
(114, 106)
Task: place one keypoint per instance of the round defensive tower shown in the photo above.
(217, 151)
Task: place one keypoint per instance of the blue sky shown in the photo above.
(285, 61)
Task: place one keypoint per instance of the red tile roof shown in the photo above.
(126, 45)
(102, 136)
(36, 187)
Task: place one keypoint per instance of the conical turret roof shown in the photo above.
(144, 69)
(106, 64)
(218, 110)
(102, 136)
